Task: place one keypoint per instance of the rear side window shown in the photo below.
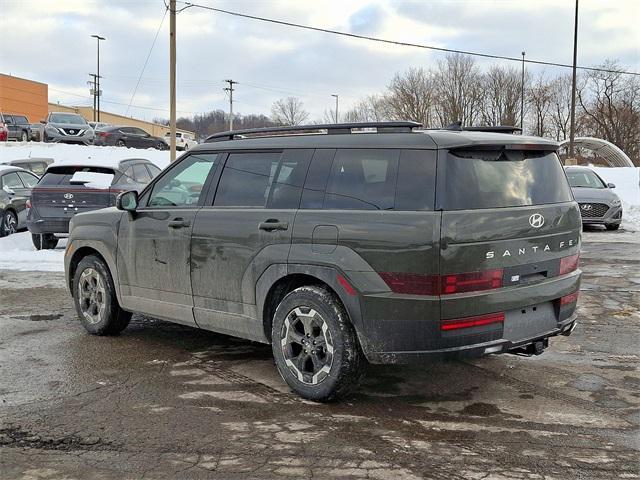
(246, 179)
(503, 178)
(29, 180)
(362, 179)
(416, 187)
(62, 175)
(141, 174)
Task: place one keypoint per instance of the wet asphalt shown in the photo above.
(167, 401)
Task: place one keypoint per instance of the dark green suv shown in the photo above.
(341, 245)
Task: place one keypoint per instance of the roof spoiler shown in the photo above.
(457, 127)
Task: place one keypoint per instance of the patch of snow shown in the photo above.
(67, 154)
(627, 182)
(18, 253)
(92, 179)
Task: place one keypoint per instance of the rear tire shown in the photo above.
(315, 346)
(8, 223)
(612, 226)
(44, 241)
(121, 143)
(24, 137)
(94, 296)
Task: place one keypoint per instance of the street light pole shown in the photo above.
(572, 128)
(522, 93)
(334, 95)
(172, 80)
(98, 38)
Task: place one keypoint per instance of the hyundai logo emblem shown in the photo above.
(586, 206)
(536, 220)
(68, 196)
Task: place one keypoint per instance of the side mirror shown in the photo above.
(8, 191)
(43, 122)
(127, 201)
(611, 185)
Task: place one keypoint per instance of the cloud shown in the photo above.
(50, 42)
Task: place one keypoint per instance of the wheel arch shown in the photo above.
(77, 257)
(279, 280)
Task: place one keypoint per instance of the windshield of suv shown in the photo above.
(68, 118)
(63, 175)
(584, 179)
(503, 178)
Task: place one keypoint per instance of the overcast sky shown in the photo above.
(49, 41)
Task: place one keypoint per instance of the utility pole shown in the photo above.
(94, 91)
(522, 93)
(172, 80)
(230, 90)
(335, 95)
(572, 128)
(98, 93)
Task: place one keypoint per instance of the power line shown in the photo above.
(402, 44)
(135, 90)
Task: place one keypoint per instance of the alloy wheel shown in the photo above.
(92, 295)
(10, 224)
(307, 345)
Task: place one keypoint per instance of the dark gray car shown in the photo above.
(15, 190)
(69, 188)
(341, 245)
(599, 205)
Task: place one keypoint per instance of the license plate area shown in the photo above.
(527, 322)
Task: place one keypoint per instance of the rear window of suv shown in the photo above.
(62, 175)
(503, 178)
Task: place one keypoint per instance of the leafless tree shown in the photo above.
(409, 97)
(374, 108)
(540, 95)
(611, 105)
(560, 112)
(289, 111)
(458, 90)
(501, 96)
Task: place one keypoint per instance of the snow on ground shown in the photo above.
(18, 253)
(627, 182)
(65, 152)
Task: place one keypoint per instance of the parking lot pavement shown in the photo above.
(167, 401)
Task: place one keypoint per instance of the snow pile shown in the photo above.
(627, 182)
(18, 253)
(71, 153)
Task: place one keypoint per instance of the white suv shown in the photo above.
(184, 141)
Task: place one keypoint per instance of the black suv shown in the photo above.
(18, 127)
(72, 187)
(342, 244)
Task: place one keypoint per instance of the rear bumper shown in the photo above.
(469, 351)
(48, 225)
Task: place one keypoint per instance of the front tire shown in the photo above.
(315, 346)
(94, 296)
(8, 223)
(121, 143)
(24, 137)
(44, 241)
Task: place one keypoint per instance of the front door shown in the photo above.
(244, 231)
(154, 243)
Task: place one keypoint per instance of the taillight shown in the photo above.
(412, 283)
(104, 134)
(468, 322)
(569, 299)
(471, 282)
(569, 264)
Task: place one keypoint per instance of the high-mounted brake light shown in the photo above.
(569, 264)
(569, 299)
(468, 322)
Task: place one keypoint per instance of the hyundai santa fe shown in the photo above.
(341, 245)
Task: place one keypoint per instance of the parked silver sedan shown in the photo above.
(599, 205)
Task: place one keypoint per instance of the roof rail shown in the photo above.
(330, 129)
(457, 126)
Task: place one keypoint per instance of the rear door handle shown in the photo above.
(178, 223)
(273, 224)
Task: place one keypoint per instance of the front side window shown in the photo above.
(141, 174)
(12, 181)
(246, 179)
(153, 170)
(362, 179)
(182, 185)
